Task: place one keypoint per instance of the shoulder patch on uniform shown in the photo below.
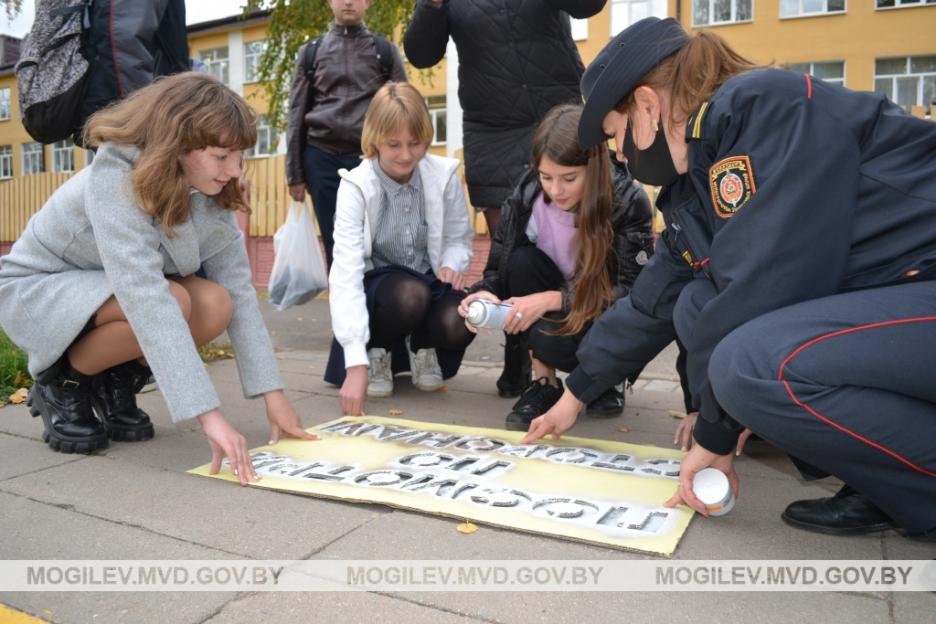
(732, 183)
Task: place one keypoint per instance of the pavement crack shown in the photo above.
(437, 608)
(44, 468)
(131, 525)
(345, 534)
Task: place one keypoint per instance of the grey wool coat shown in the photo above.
(91, 240)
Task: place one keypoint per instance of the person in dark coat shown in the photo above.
(131, 44)
(797, 266)
(574, 235)
(517, 60)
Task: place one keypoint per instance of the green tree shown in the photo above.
(294, 22)
(11, 7)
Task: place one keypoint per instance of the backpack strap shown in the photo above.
(308, 58)
(384, 57)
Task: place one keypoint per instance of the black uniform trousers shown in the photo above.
(845, 383)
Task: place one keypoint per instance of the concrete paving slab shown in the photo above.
(15, 420)
(240, 521)
(421, 537)
(25, 455)
(276, 608)
(36, 530)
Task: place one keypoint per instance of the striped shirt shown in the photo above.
(402, 231)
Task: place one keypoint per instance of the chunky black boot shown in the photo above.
(114, 395)
(517, 367)
(63, 399)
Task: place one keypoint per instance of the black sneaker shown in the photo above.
(608, 405)
(536, 399)
(114, 397)
(516, 375)
(63, 399)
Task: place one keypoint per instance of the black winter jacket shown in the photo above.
(517, 60)
(630, 222)
(130, 44)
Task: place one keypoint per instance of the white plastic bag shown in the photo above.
(299, 266)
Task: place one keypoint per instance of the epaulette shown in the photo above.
(694, 124)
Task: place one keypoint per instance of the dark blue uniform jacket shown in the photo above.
(833, 189)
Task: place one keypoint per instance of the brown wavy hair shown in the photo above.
(557, 138)
(166, 120)
(693, 74)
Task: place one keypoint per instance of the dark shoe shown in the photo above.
(846, 513)
(536, 399)
(608, 405)
(517, 367)
(63, 399)
(114, 396)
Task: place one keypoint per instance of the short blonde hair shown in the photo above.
(396, 106)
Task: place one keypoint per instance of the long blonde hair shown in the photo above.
(166, 120)
(557, 138)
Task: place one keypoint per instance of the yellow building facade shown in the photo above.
(867, 45)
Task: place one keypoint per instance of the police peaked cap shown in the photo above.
(618, 68)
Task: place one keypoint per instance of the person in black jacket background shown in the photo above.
(573, 237)
(131, 44)
(516, 60)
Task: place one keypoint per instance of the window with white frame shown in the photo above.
(626, 12)
(830, 71)
(714, 12)
(908, 81)
(266, 139)
(4, 103)
(896, 4)
(579, 29)
(253, 50)
(63, 156)
(33, 158)
(6, 161)
(801, 8)
(216, 60)
(436, 104)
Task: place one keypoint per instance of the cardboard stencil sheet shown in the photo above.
(594, 491)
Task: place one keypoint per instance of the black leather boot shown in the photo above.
(846, 513)
(114, 396)
(517, 367)
(63, 399)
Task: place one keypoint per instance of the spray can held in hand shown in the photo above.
(483, 313)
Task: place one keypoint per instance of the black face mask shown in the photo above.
(653, 165)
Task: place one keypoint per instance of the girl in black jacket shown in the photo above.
(572, 238)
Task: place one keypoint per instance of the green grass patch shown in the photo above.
(13, 372)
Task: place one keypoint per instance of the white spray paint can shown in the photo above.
(712, 488)
(483, 313)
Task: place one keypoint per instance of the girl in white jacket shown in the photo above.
(402, 245)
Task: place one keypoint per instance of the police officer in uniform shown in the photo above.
(796, 267)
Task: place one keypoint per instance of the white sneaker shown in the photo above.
(379, 374)
(427, 376)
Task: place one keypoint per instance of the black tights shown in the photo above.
(403, 306)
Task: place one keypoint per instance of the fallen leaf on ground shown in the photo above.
(624, 429)
(443, 389)
(395, 412)
(466, 528)
(677, 414)
(19, 396)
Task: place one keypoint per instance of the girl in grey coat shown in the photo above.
(104, 275)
